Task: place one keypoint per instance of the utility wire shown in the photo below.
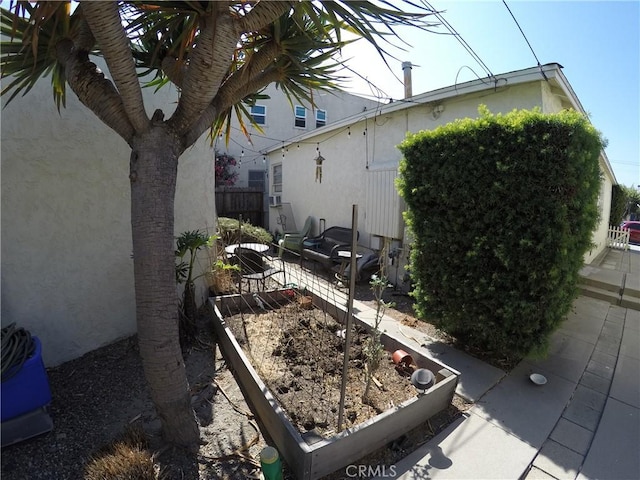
(377, 92)
(525, 39)
(462, 41)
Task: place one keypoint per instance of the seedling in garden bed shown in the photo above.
(373, 349)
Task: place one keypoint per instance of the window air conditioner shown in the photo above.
(275, 200)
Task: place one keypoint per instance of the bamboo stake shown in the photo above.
(347, 336)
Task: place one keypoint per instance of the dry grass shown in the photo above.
(126, 458)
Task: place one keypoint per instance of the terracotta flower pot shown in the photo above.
(402, 358)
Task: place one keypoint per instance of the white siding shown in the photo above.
(383, 204)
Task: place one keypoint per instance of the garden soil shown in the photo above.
(299, 354)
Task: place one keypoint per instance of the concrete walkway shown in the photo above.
(584, 423)
(614, 277)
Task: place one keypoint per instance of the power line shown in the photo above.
(377, 92)
(462, 41)
(380, 94)
(525, 39)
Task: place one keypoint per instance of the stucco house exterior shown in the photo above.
(361, 159)
(279, 118)
(67, 272)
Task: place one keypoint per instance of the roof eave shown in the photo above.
(549, 71)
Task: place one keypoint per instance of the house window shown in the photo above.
(259, 114)
(256, 179)
(321, 118)
(301, 117)
(276, 186)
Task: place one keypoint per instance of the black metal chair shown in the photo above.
(257, 267)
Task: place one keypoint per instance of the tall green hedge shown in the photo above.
(502, 209)
(619, 201)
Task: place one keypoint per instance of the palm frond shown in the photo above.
(158, 29)
(222, 125)
(29, 53)
(372, 21)
(308, 37)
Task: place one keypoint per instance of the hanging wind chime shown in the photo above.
(319, 159)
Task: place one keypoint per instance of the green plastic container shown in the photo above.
(271, 464)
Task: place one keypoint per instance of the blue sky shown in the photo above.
(597, 43)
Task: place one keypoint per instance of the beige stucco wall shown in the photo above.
(550, 102)
(67, 274)
(280, 125)
(342, 183)
(599, 238)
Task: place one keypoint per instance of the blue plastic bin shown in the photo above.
(27, 390)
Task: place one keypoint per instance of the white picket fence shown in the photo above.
(618, 238)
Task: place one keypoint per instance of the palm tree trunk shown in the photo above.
(153, 172)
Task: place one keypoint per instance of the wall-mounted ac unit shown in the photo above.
(275, 200)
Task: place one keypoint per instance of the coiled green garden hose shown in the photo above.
(17, 347)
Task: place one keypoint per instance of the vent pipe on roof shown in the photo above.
(406, 68)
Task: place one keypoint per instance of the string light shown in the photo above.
(283, 142)
(284, 148)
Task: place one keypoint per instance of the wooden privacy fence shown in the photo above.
(232, 202)
(618, 238)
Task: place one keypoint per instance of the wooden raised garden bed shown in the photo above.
(313, 447)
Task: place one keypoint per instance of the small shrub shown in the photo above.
(230, 231)
(373, 349)
(502, 209)
(220, 277)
